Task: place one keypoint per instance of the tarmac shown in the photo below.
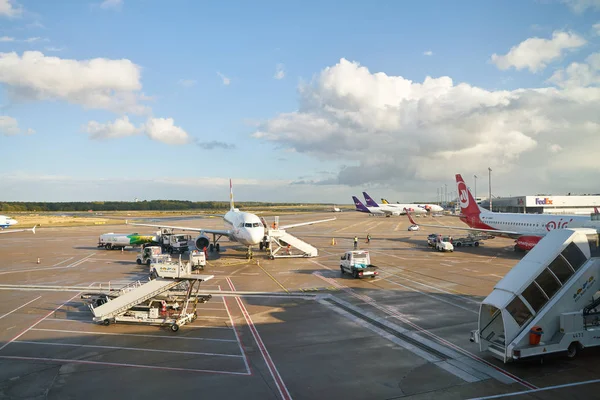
(307, 332)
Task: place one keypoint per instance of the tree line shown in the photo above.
(152, 205)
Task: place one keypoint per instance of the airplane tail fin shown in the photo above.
(369, 200)
(359, 205)
(33, 229)
(231, 205)
(384, 201)
(468, 205)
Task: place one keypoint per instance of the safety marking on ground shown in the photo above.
(237, 338)
(270, 276)
(446, 345)
(319, 289)
(18, 308)
(55, 266)
(281, 387)
(161, 337)
(527, 392)
(17, 340)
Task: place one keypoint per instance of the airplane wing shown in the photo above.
(187, 228)
(305, 223)
(493, 232)
(18, 230)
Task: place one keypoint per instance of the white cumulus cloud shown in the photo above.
(428, 53)
(579, 74)
(164, 130)
(279, 71)
(579, 6)
(121, 127)
(159, 129)
(389, 130)
(596, 28)
(98, 83)
(9, 8)
(226, 80)
(7, 39)
(9, 126)
(535, 53)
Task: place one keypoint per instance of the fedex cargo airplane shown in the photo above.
(427, 207)
(371, 210)
(527, 229)
(393, 209)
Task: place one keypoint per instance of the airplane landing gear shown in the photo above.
(249, 253)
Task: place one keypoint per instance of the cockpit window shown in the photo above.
(256, 224)
(248, 225)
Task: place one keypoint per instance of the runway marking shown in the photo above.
(350, 226)
(74, 264)
(94, 346)
(18, 308)
(132, 334)
(398, 226)
(237, 337)
(390, 311)
(65, 361)
(527, 392)
(36, 323)
(270, 276)
(283, 391)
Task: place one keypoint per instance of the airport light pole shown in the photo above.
(490, 174)
(445, 195)
(475, 194)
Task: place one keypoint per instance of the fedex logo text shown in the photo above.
(545, 200)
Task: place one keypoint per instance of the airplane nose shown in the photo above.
(256, 235)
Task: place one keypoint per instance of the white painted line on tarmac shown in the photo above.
(93, 346)
(161, 337)
(281, 387)
(527, 392)
(237, 337)
(67, 361)
(18, 308)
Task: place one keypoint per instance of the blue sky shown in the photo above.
(337, 143)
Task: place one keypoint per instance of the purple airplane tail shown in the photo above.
(359, 206)
(370, 201)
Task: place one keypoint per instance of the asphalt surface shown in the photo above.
(312, 334)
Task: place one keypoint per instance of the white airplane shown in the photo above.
(371, 210)
(336, 209)
(394, 209)
(242, 227)
(426, 207)
(5, 221)
(527, 229)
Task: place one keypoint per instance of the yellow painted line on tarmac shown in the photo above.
(272, 277)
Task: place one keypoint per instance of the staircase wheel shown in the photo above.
(106, 322)
(174, 327)
(572, 350)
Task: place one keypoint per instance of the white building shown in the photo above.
(545, 204)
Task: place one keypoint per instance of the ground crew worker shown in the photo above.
(368, 238)
(289, 249)
(355, 242)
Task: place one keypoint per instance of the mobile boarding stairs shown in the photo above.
(552, 292)
(278, 241)
(156, 302)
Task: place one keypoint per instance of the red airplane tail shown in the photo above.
(468, 205)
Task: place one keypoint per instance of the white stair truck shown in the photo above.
(548, 303)
(150, 303)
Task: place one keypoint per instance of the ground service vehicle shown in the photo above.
(174, 242)
(444, 244)
(117, 241)
(152, 255)
(466, 241)
(358, 263)
(431, 239)
(413, 228)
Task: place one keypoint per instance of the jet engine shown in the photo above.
(201, 241)
(525, 243)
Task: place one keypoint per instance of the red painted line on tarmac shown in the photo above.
(35, 324)
(61, 360)
(283, 391)
(402, 318)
